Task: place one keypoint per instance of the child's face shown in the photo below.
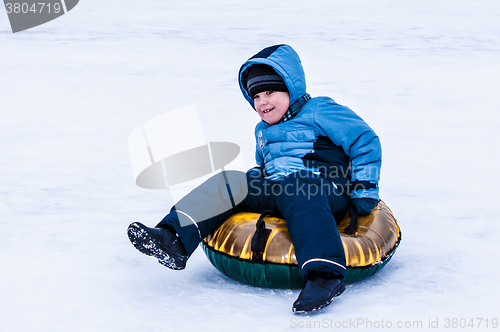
(271, 105)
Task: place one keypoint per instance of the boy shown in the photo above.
(315, 158)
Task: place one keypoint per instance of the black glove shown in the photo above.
(364, 206)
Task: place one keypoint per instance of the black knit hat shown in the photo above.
(262, 78)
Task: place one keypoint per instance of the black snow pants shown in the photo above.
(310, 204)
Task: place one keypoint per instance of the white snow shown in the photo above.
(424, 74)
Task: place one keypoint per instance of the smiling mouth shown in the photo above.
(267, 111)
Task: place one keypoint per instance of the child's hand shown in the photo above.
(254, 172)
(364, 206)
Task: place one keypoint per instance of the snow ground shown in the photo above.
(423, 74)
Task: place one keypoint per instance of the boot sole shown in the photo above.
(148, 246)
(337, 292)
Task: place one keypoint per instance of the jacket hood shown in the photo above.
(286, 62)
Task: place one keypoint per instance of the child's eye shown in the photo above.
(269, 93)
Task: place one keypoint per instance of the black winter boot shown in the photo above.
(158, 242)
(318, 292)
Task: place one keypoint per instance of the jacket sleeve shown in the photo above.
(346, 129)
(259, 157)
(256, 170)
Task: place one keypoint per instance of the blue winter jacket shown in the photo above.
(324, 137)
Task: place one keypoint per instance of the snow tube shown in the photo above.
(229, 249)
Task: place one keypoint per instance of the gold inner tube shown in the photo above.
(377, 235)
